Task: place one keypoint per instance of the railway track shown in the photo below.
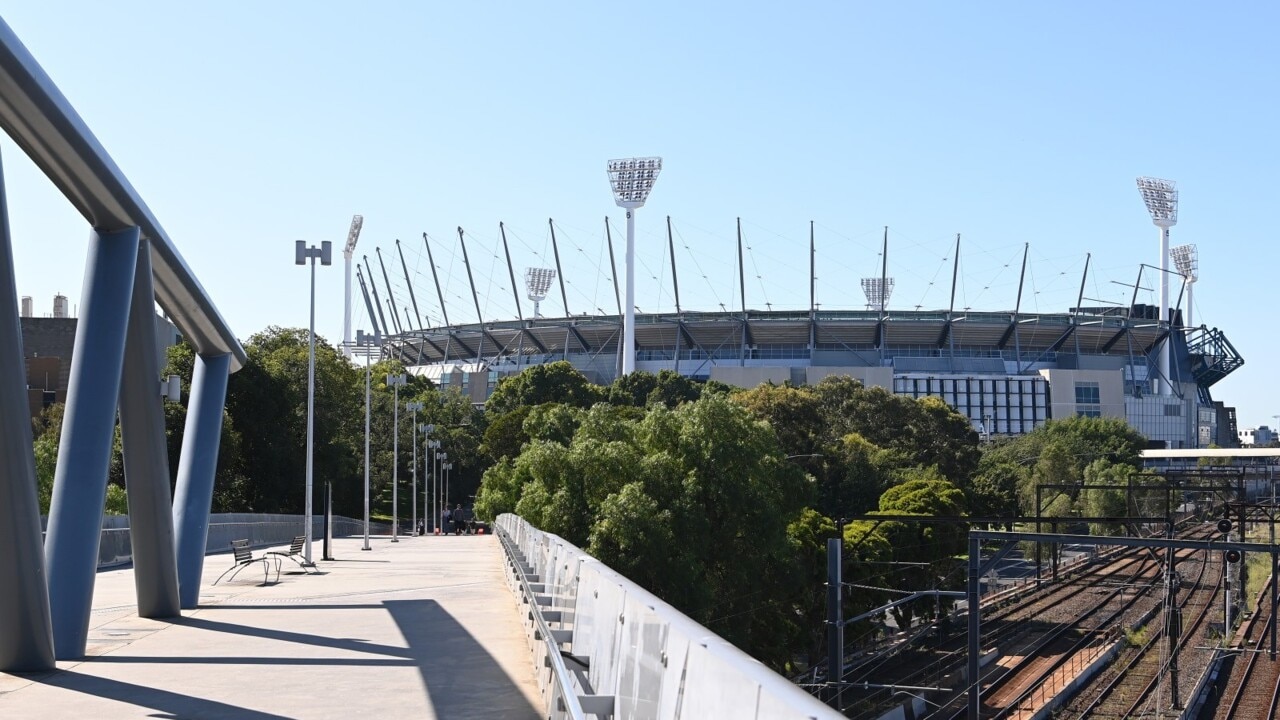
(1038, 675)
(1127, 693)
(1253, 687)
(1013, 693)
(1019, 626)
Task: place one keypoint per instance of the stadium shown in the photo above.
(1008, 371)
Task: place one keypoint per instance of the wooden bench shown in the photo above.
(295, 554)
(242, 557)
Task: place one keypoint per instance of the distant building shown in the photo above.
(47, 346)
(1260, 436)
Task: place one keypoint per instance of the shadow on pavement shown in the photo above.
(461, 677)
(169, 704)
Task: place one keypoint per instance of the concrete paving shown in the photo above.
(422, 628)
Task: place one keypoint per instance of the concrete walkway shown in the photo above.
(422, 628)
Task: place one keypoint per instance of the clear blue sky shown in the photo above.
(246, 126)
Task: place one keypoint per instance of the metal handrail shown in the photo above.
(42, 122)
(560, 674)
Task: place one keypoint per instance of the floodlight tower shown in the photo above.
(1161, 198)
(1187, 260)
(357, 222)
(877, 291)
(538, 281)
(631, 179)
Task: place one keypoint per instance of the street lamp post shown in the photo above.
(413, 407)
(428, 443)
(324, 254)
(426, 430)
(366, 341)
(433, 492)
(443, 501)
(447, 467)
(631, 180)
(395, 381)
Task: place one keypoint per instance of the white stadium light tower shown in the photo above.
(631, 180)
(1161, 198)
(1187, 261)
(538, 281)
(877, 291)
(353, 235)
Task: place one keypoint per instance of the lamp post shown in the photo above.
(1161, 199)
(426, 477)
(631, 179)
(395, 381)
(324, 254)
(447, 467)
(443, 501)
(425, 429)
(366, 342)
(433, 446)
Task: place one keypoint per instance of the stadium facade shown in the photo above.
(1008, 372)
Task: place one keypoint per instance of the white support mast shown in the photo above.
(1187, 261)
(1161, 198)
(353, 235)
(631, 180)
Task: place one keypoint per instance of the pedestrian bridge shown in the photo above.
(520, 625)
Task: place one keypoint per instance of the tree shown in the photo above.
(1109, 502)
(924, 550)
(633, 389)
(554, 382)
(691, 503)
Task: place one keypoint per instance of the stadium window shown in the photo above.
(1088, 393)
(1091, 412)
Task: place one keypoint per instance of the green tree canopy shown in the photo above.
(554, 382)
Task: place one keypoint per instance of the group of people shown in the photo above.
(457, 521)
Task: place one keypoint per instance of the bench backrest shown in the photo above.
(295, 548)
(241, 550)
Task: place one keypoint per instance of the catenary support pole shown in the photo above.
(146, 456)
(835, 624)
(197, 467)
(973, 669)
(88, 431)
(26, 631)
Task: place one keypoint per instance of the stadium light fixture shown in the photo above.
(632, 180)
(877, 291)
(1161, 199)
(1187, 260)
(537, 281)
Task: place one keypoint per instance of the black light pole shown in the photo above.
(328, 519)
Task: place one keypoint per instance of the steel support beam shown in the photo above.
(146, 455)
(88, 431)
(196, 468)
(26, 632)
(973, 603)
(835, 624)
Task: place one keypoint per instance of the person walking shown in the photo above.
(459, 520)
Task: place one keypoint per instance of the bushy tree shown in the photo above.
(692, 503)
(554, 382)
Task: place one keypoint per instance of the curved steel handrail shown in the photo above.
(42, 122)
